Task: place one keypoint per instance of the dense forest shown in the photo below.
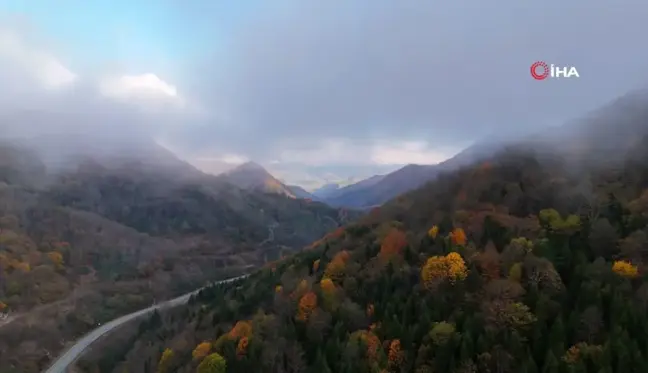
(82, 247)
(532, 260)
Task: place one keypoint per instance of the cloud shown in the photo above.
(311, 73)
(336, 89)
(409, 152)
(44, 69)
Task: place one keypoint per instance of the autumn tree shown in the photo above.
(335, 269)
(442, 332)
(396, 354)
(458, 237)
(316, 264)
(329, 293)
(307, 305)
(625, 269)
(240, 329)
(201, 350)
(56, 258)
(393, 244)
(369, 340)
(433, 232)
(165, 361)
(213, 363)
(551, 220)
(241, 347)
(437, 268)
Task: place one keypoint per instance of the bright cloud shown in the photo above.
(128, 86)
(408, 152)
(46, 69)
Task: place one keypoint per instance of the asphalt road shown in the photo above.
(63, 362)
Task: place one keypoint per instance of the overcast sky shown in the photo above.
(314, 90)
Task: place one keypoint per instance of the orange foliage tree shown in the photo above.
(241, 348)
(450, 267)
(241, 329)
(370, 340)
(395, 354)
(392, 244)
(458, 237)
(201, 350)
(307, 305)
(327, 285)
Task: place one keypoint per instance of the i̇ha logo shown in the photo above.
(541, 71)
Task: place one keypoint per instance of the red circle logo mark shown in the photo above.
(539, 70)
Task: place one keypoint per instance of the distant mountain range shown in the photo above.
(367, 193)
(379, 189)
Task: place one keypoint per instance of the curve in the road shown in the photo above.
(63, 362)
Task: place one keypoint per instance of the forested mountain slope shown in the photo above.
(97, 239)
(531, 260)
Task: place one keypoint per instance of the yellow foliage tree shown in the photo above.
(335, 269)
(316, 265)
(165, 361)
(433, 232)
(56, 258)
(301, 289)
(201, 350)
(307, 305)
(327, 285)
(213, 363)
(450, 267)
(625, 269)
(278, 288)
(329, 292)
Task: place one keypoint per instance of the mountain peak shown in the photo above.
(251, 175)
(250, 166)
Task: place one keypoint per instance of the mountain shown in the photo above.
(252, 176)
(325, 190)
(300, 192)
(530, 259)
(89, 236)
(379, 189)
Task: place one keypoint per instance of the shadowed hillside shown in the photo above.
(111, 233)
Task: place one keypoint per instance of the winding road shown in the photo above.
(63, 362)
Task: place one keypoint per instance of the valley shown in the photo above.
(83, 246)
